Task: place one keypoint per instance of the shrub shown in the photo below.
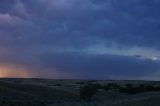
(106, 88)
(88, 91)
(129, 89)
(81, 83)
(97, 85)
(157, 88)
(150, 88)
(141, 88)
(58, 84)
(113, 85)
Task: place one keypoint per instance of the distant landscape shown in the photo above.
(50, 92)
(79, 52)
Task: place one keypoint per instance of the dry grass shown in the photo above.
(45, 92)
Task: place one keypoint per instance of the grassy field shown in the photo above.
(46, 92)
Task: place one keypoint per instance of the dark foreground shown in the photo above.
(45, 92)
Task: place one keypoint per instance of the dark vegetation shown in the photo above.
(89, 90)
(12, 94)
(58, 84)
(18, 93)
(81, 83)
(130, 89)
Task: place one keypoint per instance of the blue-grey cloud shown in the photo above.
(89, 38)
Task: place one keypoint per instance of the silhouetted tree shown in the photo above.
(88, 91)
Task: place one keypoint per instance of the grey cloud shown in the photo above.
(41, 27)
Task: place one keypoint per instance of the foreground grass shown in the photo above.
(147, 102)
(12, 94)
(31, 92)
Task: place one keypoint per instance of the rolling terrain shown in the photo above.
(48, 92)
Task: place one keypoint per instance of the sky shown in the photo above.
(80, 39)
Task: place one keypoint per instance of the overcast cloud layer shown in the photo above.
(84, 39)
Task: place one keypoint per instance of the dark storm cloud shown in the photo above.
(55, 34)
(135, 21)
(100, 66)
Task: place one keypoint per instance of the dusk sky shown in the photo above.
(80, 39)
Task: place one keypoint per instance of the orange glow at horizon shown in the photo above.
(14, 72)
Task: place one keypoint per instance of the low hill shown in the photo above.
(48, 92)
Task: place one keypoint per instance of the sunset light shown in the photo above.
(13, 72)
